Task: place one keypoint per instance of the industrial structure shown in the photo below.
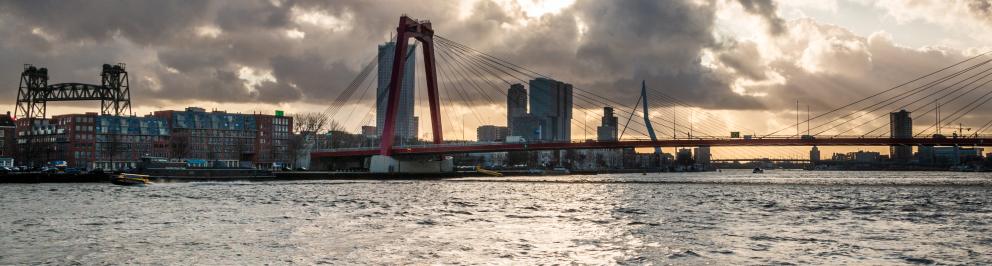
(34, 92)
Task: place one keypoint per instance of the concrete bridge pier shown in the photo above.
(411, 165)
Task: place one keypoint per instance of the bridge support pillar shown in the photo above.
(420, 165)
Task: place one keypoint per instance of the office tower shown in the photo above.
(490, 133)
(607, 131)
(516, 103)
(551, 101)
(702, 154)
(814, 154)
(405, 123)
(901, 127)
(528, 127)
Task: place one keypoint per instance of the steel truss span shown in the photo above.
(34, 92)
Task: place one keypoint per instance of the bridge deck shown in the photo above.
(771, 142)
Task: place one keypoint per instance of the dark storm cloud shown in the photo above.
(184, 51)
(657, 41)
(143, 22)
(767, 10)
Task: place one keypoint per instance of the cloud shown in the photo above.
(767, 10)
(193, 52)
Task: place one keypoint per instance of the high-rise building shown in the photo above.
(607, 131)
(702, 154)
(490, 133)
(551, 101)
(814, 154)
(529, 127)
(683, 156)
(516, 103)
(924, 154)
(405, 123)
(901, 127)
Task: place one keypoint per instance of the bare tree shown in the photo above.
(313, 122)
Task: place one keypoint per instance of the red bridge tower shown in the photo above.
(420, 30)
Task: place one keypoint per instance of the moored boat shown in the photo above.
(130, 180)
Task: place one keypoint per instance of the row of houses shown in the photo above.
(92, 140)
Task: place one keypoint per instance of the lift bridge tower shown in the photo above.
(34, 92)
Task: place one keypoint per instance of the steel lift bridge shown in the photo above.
(34, 92)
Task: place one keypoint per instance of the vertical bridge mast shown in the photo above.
(421, 31)
(647, 121)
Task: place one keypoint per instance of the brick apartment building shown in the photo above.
(110, 142)
(8, 136)
(90, 140)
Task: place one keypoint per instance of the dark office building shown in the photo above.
(516, 103)
(551, 101)
(607, 131)
(490, 133)
(529, 127)
(901, 127)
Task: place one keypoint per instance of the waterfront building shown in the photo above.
(406, 124)
(91, 141)
(209, 136)
(683, 156)
(35, 138)
(491, 133)
(924, 154)
(954, 155)
(272, 142)
(121, 141)
(551, 101)
(901, 127)
(702, 155)
(814, 154)
(8, 136)
(864, 156)
(229, 138)
(607, 131)
(516, 103)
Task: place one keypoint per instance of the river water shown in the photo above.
(731, 217)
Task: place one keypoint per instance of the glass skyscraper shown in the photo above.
(406, 124)
(551, 101)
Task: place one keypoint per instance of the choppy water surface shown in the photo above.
(723, 218)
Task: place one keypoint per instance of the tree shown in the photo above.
(306, 127)
(313, 123)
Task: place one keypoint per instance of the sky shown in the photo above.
(745, 61)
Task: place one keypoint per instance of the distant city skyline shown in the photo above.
(726, 57)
